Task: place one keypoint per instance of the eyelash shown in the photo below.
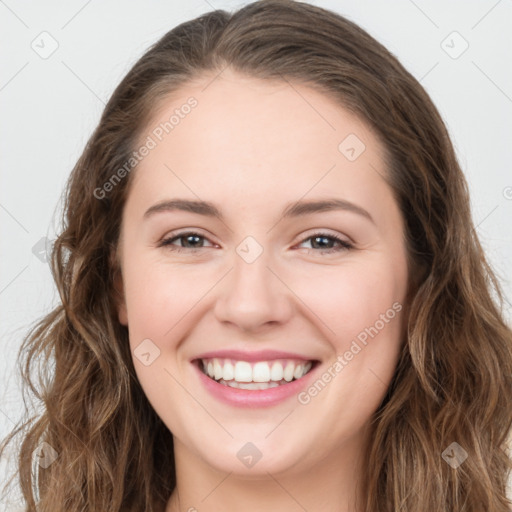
(344, 244)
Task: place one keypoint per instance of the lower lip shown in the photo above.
(253, 398)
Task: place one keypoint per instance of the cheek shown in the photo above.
(361, 308)
(158, 297)
(160, 301)
(345, 301)
(352, 300)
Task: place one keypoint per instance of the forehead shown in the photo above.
(245, 113)
(265, 138)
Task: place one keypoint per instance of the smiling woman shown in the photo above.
(284, 305)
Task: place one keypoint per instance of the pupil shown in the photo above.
(191, 237)
(321, 238)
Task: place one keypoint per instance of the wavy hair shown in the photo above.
(453, 379)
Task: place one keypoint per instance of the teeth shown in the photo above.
(261, 372)
(276, 374)
(243, 372)
(245, 375)
(288, 372)
(298, 371)
(249, 385)
(217, 369)
(229, 371)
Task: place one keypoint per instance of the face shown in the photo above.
(261, 243)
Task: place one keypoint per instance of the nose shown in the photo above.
(253, 296)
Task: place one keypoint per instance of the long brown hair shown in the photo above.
(453, 381)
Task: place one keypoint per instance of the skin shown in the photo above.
(253, 147)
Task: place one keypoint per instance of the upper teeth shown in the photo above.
(262, 371)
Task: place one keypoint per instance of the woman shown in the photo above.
(205, 358)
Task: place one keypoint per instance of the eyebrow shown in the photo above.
(297, 209)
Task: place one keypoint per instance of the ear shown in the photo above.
(120, 302)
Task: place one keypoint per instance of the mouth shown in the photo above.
(254, 375)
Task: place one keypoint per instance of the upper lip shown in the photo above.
(257, 355)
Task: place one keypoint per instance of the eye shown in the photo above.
(325, 239)
(191, 239)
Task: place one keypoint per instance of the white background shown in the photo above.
(49, 107)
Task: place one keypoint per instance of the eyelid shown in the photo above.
(326, 232)
(186, 231)
(343, 244)
(182, 233)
